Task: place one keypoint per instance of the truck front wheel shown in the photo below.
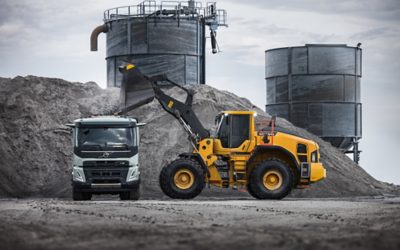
(182, 179)
(80, 196)
(130, 195)
(271, 179)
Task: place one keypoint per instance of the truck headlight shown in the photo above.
(314, 156)
(133, 174)
(78, 174)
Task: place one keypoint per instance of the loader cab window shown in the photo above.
(223, 131)
(233, 130)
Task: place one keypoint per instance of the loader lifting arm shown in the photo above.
(138, 89)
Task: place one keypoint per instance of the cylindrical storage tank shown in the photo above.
(157, 44)
(317, 87)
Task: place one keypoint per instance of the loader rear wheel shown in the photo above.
(182, 179)
(272, 179)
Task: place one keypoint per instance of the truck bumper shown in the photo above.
(105, 188)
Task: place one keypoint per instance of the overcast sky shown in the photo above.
(51, 38)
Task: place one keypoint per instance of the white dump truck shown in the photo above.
(105, 159)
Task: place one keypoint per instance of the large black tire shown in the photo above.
(170, 186)
(132, 195)
(260, 188)
(80, 196)
(249, 190)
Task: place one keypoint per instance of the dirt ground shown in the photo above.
(106, 223)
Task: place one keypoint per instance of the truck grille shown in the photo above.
(102, 173)
(98, 181)
(105, 174)
(107, 164)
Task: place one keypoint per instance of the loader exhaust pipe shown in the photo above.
(95, 34)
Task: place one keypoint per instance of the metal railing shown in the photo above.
(179, 9)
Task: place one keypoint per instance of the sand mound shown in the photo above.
(35, 146)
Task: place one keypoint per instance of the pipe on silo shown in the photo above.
(95, 34)
(213, 41)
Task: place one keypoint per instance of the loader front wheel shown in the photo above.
(182, 179)
(271, 179)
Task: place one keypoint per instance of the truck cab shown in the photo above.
(105, 157)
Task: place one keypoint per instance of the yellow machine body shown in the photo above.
(268, 162)
(261, 146)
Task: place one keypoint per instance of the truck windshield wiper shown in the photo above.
(92, 146)
(118, 145)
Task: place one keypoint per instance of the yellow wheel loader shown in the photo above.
(269, 163)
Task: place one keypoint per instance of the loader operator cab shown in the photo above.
(233, 129)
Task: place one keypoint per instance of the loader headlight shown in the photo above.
(314, 156)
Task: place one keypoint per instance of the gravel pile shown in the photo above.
(35, 146)
(36, 152)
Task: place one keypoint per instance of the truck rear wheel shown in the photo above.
(182, 179)
(130, 195)
(271, 179)
(80, 196)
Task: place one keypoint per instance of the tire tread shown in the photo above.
(166, 179)
(258, 193)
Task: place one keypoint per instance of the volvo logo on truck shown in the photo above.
(105, 155)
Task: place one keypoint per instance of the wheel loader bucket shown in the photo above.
(136, 88)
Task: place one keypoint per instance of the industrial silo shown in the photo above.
(317, 87)
(160, 38)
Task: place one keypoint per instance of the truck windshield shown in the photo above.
(93, 139)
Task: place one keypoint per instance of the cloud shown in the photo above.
(376, 9)
(376, 33)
